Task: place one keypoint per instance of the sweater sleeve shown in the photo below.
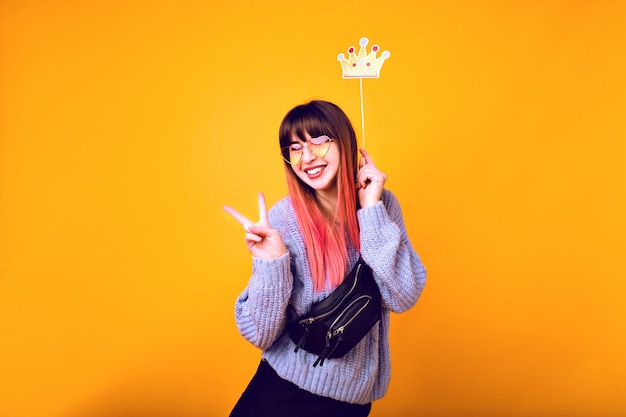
(260, 310)
(386, 248)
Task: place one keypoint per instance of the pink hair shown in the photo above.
(325, 235)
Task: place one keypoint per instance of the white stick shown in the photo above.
(362, 113)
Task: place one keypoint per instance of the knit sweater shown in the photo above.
(362, 375)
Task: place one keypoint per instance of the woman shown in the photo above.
(336, 211)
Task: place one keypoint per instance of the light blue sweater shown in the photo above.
(363, 374)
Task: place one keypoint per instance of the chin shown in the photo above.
(317, 184)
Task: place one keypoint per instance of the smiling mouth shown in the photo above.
(314, 171)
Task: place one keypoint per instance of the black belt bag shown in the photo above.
(333, 326)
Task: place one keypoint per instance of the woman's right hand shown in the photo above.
(262, 241)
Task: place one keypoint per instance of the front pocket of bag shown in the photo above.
(349, 315)
(351, 326)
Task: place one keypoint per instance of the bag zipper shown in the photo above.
(341, 329)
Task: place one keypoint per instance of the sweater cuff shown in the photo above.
(374, 217)
(270, 273)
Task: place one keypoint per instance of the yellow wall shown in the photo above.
(125, 126)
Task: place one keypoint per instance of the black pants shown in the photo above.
(268, 395)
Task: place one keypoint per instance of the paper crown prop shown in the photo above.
(363, 64)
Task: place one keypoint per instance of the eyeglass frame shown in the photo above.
(286, 149)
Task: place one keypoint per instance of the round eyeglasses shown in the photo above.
(318, 146)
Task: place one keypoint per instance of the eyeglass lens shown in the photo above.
(318, 146)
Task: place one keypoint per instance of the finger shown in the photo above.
(363, 179)
(259, 230)
(368, 170)
(370, 174)
(263, 220)
(251, 237)
(244, 221)
(367, 157)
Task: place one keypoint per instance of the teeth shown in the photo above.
(314, 171)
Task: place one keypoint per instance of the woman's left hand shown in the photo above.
(369, 181)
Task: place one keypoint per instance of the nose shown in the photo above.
(307, 155)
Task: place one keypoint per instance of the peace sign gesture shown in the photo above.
(262, 241)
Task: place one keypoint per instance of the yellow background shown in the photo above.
(125, 126)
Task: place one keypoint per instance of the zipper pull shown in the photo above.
(307, 321)
(320, 359)
(302, 340)
(339, 333)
